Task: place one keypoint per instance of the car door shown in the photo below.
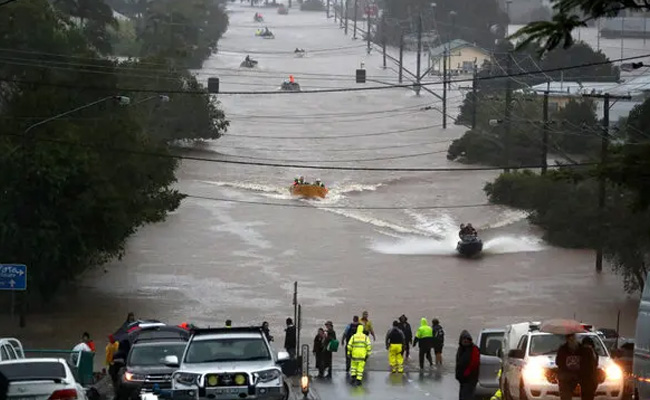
(515, 365)
(490, 344)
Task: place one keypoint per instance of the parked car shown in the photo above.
(41, 379)
(529, 370)
(229, 364)
(490, 342)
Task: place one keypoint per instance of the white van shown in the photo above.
(642, 346)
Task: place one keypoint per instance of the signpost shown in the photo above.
(13, 277)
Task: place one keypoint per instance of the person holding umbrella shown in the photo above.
(569, 357)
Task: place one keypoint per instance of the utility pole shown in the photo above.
(289, 3)
(368, 34)
(354, 35)
(383, 39)
(545, 134)
(507, 113)
(444, 88)
(346, 15)
(327, 10)
(474, 97)
(401, 56)
(604, 149)
(419, 58)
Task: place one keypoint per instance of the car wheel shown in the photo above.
(522, 391)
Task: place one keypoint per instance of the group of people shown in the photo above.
(301, 181)
(467, 230)
(577, 364)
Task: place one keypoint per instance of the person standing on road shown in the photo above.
(588, 370)
(358, 349)
(395, 346)
(438, 340)
(290, 338)
(318, 349)
(568, 360)
(367, 325)
(350, 330)
(468, 360)
(267, 331)
(405, 327)
(331, 345)
(424, 340)
(111, 349)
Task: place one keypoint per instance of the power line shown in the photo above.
(315, 205)
(327, 90)
(342, 161)
(294, 166)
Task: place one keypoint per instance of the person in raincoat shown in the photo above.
(359, 349)
(395, 346)
(468, 361)
(424, 340)
(498, 395)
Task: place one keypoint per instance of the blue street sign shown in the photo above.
(13, 277)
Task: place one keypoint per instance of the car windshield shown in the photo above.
(29, 371)
(549, 344)
(239, 349)
(155, 354)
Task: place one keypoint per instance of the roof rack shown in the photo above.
(234, 329)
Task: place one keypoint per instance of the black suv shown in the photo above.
(145, 365)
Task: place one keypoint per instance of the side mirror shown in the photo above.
(172, 361)
(516, 353)
(283, 356)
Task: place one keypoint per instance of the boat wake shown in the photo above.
(447, 246)
(336, 192)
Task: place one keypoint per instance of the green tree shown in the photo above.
(572, 14)
(575, 128)
(93, 17)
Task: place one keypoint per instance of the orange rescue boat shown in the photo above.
(308, 190)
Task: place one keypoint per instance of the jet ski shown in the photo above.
(265, 34)
(299, 52)
(248, 63)
(258, 18)
(469, 245)
(290, 86)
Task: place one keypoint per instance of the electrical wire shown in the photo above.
(296, 166)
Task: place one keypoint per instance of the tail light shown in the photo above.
(64, 394)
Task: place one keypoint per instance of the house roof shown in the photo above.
(453, 45)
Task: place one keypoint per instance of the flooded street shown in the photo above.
(382, 241)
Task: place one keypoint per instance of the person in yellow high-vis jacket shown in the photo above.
(498, 395)
(358, 350)
(395, 346)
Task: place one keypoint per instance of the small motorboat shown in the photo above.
(308, 190)
(282, 10)
(258, 18)
(265, 34)
(289, 86)
(299, 52)
(469, 245)
(248, 63)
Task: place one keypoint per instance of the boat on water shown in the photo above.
(299, 53)
(308, 190)
(258, 18)
(248, 63)
(290, 85)
(469, 245)
(282, 10)
(265, 34)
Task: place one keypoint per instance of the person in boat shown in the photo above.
(296, 182)
(248, 59)
(266, 32)
(471, 230)
(465, 230)
(318, 183)
(301, 180)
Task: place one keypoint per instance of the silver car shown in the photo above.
(490, 342)
(229, 364)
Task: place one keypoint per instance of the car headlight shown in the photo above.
(185, 378)
(131, 377)
(614, 373)
(534, 374)
(268, 375)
